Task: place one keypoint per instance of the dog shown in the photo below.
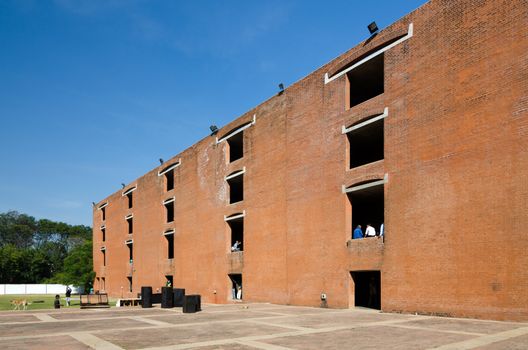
(20, 303)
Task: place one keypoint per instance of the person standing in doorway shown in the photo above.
(358, 233)
(68, 296)
(239, 292)
(370, 232)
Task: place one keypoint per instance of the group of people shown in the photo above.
(57, 303)
(369, 232)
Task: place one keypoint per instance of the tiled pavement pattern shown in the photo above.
(251, 326)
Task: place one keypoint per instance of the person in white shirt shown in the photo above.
(236, 247)
(370, 232)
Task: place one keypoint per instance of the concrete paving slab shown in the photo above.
(157, 337)
(105, 313)
(17, 318)
(381, 337)
(457, 324)
(44, 343)
(34, 328)
(208, 317)
(517, 343)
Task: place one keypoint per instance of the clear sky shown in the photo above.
(94, 92)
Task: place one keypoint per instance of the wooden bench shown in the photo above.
(89, 301)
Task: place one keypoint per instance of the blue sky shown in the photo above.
(94, 92)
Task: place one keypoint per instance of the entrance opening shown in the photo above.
(170, 211)
(237, 233)
(170, 246)
(236, 189)
(366, 144)
(129, 284)
(236, 146)
(236, 286)
(169, 180)
(368, 208)
(169, 281)
(367, 80)
(367, 289)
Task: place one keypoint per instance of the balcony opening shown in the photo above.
(236, 286)
(169, 281)
(130, 201)
(103, 234)
(130, 246)
(130, 223)
(169, 209)
(367, 80)
(170, 245)
(129, 284)
(366, 144)
(237, 234)
(368, 208)
(169, 180)
(236, 146)
(236, 189)
(367, 289)
(103, 213)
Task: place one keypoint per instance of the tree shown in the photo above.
(33, 251)
(78, 267)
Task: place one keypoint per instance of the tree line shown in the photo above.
(44, 251)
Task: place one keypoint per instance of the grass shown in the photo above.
(41, 301)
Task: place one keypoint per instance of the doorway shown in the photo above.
(367, 289)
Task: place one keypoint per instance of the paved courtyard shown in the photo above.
(251, 326)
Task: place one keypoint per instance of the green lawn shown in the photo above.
(41, 301)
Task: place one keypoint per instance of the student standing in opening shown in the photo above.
(239, 293)
(370, 232)
(357, 233)
(235, 247)
(68, 295)
(382, 230)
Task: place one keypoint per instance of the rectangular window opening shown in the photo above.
(366, 144)
(169, 180)
(130, 222)
(236, 146)
(368, 208)
(130, 252)
(237, 234)
(103, 234)
(170, 246)
(169, 281)
(367, 289)
(236, 286)
(130, 201)
(236, 189)
(366, 81)
(104, 257)
(103, 283)
(129, 284)
(103, 213)
(170, 211)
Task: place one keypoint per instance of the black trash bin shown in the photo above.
(178, 293)
(166, 297)
(146, 297)
(191, 303)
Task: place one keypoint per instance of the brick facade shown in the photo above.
(452, 180)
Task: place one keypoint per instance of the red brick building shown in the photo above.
(422, 127)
